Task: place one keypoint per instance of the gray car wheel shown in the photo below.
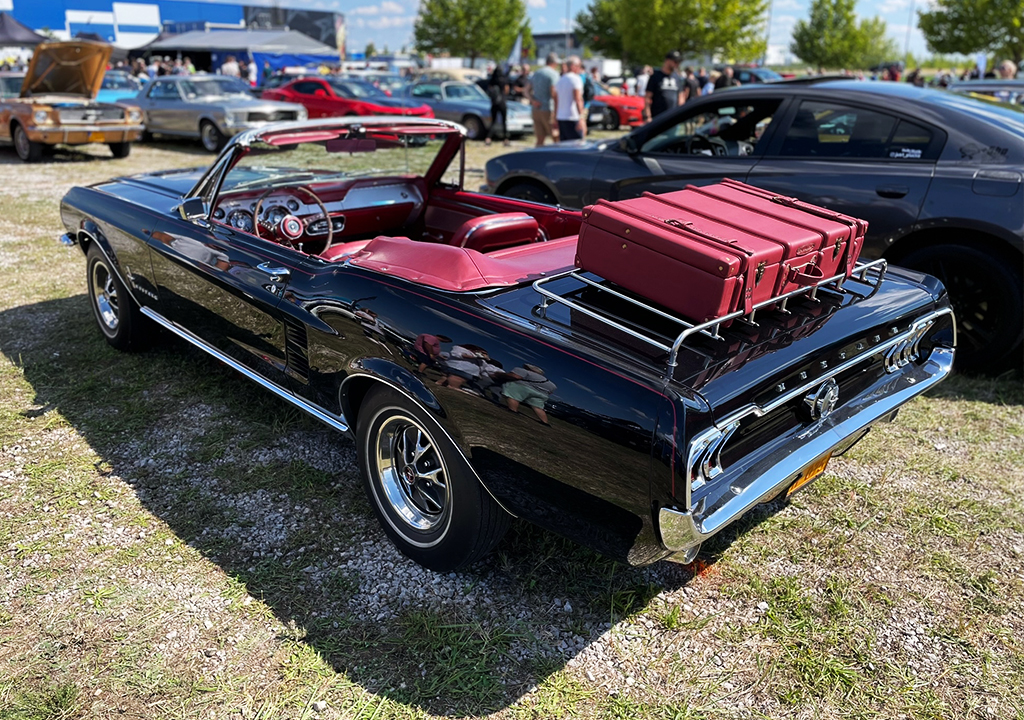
(27, 150)
(474, 127)
(211, 138)
(122, 323)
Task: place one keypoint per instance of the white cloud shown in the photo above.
(389, 6)
(537, 4)
(787, 5)
(541, 20)
(385, 23)
(365, 10)
(888, 7)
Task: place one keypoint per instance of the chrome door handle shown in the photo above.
(277, 274)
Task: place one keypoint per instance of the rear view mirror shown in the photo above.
(194, 210)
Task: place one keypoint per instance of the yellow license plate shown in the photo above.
(810, 472)
(95, 137)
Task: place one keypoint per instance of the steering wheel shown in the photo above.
(291, 228)
(696, 143)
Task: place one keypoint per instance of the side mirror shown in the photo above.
(194, 210)
(320, 92)
(628, 143)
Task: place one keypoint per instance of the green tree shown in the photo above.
(470, 28)
(370, 51)
(642, 31)
(971, 26)
(598, 25)
(832, 38)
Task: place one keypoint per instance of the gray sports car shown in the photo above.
(212, 108)
(466, 103)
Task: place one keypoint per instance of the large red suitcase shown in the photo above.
(705, 254)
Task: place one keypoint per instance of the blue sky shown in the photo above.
(389, 22)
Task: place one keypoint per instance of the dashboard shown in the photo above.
(355, 208)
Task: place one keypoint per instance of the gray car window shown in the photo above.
(730, 129)
(826, 129)
(164, 91)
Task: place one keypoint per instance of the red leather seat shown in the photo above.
(493, 232)
(341, 250)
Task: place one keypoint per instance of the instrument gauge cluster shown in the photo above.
(241, 220)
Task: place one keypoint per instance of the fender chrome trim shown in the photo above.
(682, 530)
(336, 422)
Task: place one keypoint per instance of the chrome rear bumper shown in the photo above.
(683, 531)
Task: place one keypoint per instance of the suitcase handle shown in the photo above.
(690, 227)
(807, 275)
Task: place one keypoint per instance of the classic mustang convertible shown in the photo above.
(341, 266)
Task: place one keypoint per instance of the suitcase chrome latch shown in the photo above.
(759, 273)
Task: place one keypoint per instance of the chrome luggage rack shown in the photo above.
(870, 274)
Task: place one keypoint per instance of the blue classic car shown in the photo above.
(344, 269)
(118, 86)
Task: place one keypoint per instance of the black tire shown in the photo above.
(122, 323)
(211, 137)
(611, 119)
(526, 190)
(987, 294)
(475, 129)
(27, 150)
(442, 525)
(121, 149)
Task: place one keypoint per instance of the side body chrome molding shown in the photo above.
(334, 421)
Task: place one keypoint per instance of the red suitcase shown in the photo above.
(705, 256)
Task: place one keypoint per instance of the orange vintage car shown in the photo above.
(56, 103)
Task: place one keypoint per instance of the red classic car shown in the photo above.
(610, 110)
(335, 97)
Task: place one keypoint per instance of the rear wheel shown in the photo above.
(211, 138)
(119, 318)
(611, 119)
(422, 491)
(121, 149)
(526, 190)
(474, 127)
(27, 150)
(987, 294)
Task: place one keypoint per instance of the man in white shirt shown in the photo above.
(641, 81)
(230, 67)
(568, 94)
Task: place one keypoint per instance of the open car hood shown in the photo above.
(66, 68)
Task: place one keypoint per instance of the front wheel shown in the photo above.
(211, 138)
(121, 149)
(118, 317)
(987, 295)
(610, 120)
(27, 150)
(474, 127)
(422, 491)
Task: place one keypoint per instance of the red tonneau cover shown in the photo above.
(458, 269)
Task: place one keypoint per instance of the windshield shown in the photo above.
(120, 81)
(464, 91)
(355, 89)
(767, 75)
(336, 154)
(214, 87)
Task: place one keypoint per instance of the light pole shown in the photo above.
(768, 33)
(906, 45)
(568, 24)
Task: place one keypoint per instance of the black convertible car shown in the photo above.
(340, 265)
(938, 176)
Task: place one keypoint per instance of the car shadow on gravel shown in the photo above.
(274, 499)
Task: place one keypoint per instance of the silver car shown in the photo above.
(212, 108)
(466, 103)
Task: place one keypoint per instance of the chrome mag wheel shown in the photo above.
(104, 292)
(412, 474)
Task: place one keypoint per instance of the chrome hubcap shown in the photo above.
(210, 137)
(105, 293)
(21, 142)
(411, 473)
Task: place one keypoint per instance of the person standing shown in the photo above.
(692, 85)
(726, 79)
(497, 90)
(540, 90)
(642, 79)
(665, 90)
(230, 67)
(569, 101)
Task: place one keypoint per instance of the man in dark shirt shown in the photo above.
(692, 85)
(665, 89)
(726, 79)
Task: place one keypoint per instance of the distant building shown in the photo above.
(545, 43)
(132, 23)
